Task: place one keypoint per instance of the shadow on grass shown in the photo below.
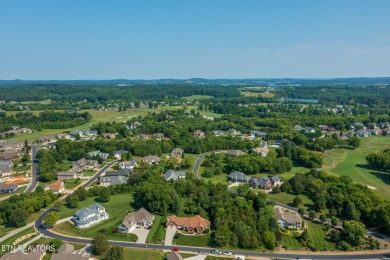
(385, 177)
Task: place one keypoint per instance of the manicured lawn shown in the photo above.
(89, 173)
(196, 97)
(157, 233)
(193, 240)
(317, 237)
(70, 184)
(117, 207)
(11, 239)
(22, 168)
(65, 166)
(291, 241)
(209, 113)
(5, 230)
(287, 198)
(144, 254)
(352, 163)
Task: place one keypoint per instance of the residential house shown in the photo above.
(63, 136)
(66, 175)
(118, 154)
(109, 135)
(263, 143)
(218, 132)
(350, 134)
(235, 153)
(137, 219)
(263, 151)
(260, 182)
(89, 216)
(237, 176)
(288, 219)
(298, 128)
(37, 253)
(76, 133)
(121, 172)
(200, 134)
(68, 252)
(151, 159)
(10, 156)
(232, 131)
(130, 165)
(158, 136)
(99, 154)
(279, 142)
(5, 171)
(57, 187)
(192, 225)
(172, 175)
(46, 139)
(133, 126)
(7, 163)
(112, 180)
(255, 133)
(275, 180)
(363, 133)
(86, 164)
(177, 152)
(8, 188)
(90, 133)
(309, 130)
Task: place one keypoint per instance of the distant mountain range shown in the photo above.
(202, 81)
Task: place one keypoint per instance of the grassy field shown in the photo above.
(287, 198)
(89, 172)
(144, 254)
(193, 240)
(196, 97)
(352, 163)
(71, 183)
(97, 116)
(209, 113)
(157, 233)
(255, 94)
(11, 239)
(117, 207)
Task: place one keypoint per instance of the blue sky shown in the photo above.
(93, 39)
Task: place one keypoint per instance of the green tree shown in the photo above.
(269, 240)
(304, 236)
(115, 253)
(312, 214)
(104, 195)
(354, 142)
(323, 218)
(100, 245)
(81, 193)
(57, 205)
(56, 242)
(17, 217)
(297, 201)
(72, 201)
(51, 218)
(334, 221)
(301, 211)
(354, 232)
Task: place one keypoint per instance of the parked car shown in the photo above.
(216, 252)
(227, 253)
(175, 249)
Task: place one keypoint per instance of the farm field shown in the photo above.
(196, 97)
(255, 94)
(97, 117)
(352, 163)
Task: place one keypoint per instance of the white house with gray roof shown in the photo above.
(91, 215)
(139, 218)
(172, 175)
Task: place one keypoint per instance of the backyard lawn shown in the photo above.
(352, 163)
(144, 254)
(287, 198)
(117, 207)
(71, 183)
(89, 173)
(157, 233)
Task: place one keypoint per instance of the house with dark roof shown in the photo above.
(235, 153)
(8, 188)
(255, 133)
(86, 164)
(275, 180)
(99, 154)
(260, 182)
(218, 132)
(91, 215)
(112, 180)
(172, 175)
(130, 165)
(237, 176)
(120, 172)
(288, 219)
(279, 142)
(5, 171)
(66, 175)
(139, 218)
(68, 252)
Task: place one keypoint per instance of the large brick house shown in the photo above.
(193, 225)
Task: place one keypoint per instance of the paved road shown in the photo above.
(34, 178)
(199, 162)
